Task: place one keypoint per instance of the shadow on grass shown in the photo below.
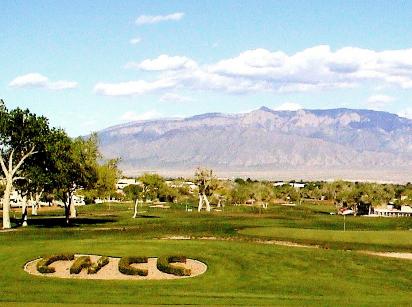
(60, 221)
(145, 216)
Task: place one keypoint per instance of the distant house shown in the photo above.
(124, 182)
(297, 185)
(390, 211)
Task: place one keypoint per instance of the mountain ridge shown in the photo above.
(264, 139)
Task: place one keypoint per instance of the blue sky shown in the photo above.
(87, 65)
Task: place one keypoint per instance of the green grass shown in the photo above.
(240, 270)
(385, 240)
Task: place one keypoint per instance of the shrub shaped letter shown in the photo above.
(79, 264)
(125, 268)
(95, 267)
(165, 264)
(43, 264)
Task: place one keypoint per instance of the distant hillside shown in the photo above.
(264, 141)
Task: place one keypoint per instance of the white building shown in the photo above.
(124, 182)
(392, 212)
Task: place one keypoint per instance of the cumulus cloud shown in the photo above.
(131, 88)
(132, 116)
(164, 63)
(288, 106)
(172, 97)
(379, 102)
(36, 80)
(135, 40)
(261, 70)
(150, 19)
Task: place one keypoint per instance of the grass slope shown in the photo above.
(239, 273)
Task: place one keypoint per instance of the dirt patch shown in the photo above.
(397, 255)
(111, 271)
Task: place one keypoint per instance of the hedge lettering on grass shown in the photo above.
(43, 264)
(82, 262)
(126, 268)
(95, 267)
(165, 264)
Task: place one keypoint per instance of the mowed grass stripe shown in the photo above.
(391, 239)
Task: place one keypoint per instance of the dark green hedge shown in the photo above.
(165, 264)
(95, 267)
(79, 264)
(125, 268)
(43, 264)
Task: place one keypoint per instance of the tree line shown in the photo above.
(362, 197)
(38, 160)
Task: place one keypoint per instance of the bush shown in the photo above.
(43, 264)
(165, 264)
(79, 264)
(95, 267)
(125, 268)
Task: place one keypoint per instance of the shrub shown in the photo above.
(95, 267)
(125, 268)
(43, 264)
(79, 264)
(165, 264)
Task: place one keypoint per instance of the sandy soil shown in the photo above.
(397, 255)
(110, 271)
(407, 256)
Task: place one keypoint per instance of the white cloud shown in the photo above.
(135, 40)
(132, 116)
(288, 106)
(149, 19)
(172, 97)
(36, 80)
(261, 70)
(406, 113)
(379, 102)
(131, 88)
(165, 62)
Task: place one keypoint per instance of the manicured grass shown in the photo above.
(240, 270)
(389, 240)
(238, 273)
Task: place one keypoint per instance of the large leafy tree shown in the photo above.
(107, 175)
(152, 185)
(74, 165)
(23, 135)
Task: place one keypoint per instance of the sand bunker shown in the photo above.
(397, 255)
(111, 270)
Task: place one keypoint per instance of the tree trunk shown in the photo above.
(73, 212)
(206, 202)
(136, 203)
(24, 211)
(218, 203)
(6, 204)
(67, 213)
(36, 203)
(67, 208)
(199, 208)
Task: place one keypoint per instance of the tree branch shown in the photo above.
(31, 152)
(11, 160)
(18, 178)
(3, 166)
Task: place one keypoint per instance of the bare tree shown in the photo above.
(204, 179)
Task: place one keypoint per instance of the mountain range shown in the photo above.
(307, 144)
